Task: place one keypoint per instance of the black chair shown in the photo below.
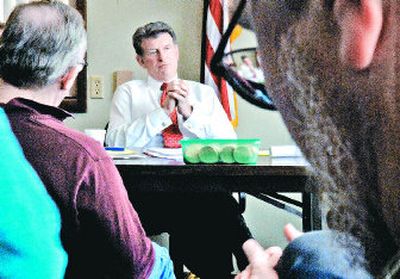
(175, 253)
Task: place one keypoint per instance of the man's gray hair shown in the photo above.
(41, 41)
(150, 30)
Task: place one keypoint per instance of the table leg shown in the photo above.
(307, 217)
(311, 212)
(176, 258)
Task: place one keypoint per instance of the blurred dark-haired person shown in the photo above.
(158, 112)
(42, 50)
(332, 70)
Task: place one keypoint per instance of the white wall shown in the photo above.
(111, 24)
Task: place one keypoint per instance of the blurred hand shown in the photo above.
(262, 262)
(169, 104)
(291, 233)
(178, 90)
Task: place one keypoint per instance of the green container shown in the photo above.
(224, 151)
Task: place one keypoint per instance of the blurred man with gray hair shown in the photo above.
(42, 50)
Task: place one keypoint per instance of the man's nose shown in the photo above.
(161, 55)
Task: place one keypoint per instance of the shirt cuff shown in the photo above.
(163, 118)
(194, 120)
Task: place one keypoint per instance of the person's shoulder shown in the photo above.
(79, 145)
(196, 84)
(91, 147)
(131, 86)
(133, 83)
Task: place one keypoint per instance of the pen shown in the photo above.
(115, 148)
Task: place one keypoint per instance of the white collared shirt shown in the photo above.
(137, 119)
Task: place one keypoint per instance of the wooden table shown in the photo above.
(269, 175)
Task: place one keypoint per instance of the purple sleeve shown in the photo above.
(110, 225)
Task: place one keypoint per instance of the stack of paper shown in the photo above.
(124, 154)
(166, 153)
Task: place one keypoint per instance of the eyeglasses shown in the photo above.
(155, 52)
(241, 69)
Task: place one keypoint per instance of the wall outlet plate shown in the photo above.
(96, 87)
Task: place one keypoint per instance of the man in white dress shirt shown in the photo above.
(137, 118)
(208, 227)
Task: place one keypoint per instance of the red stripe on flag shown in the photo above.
(225, 98)
(215, 10)
(209, 52)
(217, 13)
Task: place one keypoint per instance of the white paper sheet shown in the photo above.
(166, 153)
(285, 151)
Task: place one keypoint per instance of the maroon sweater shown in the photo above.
(101, 231)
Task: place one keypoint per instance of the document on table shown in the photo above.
(285, 151)
(166, 153)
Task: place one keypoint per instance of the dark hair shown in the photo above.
(150, 30)
(36, 50)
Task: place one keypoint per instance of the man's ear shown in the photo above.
(361, 27)
(139, 59)
(67, 80)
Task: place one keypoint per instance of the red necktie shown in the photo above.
(171, 134)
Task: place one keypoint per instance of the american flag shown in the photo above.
(215, 22)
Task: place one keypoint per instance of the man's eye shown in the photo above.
(151, 52)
